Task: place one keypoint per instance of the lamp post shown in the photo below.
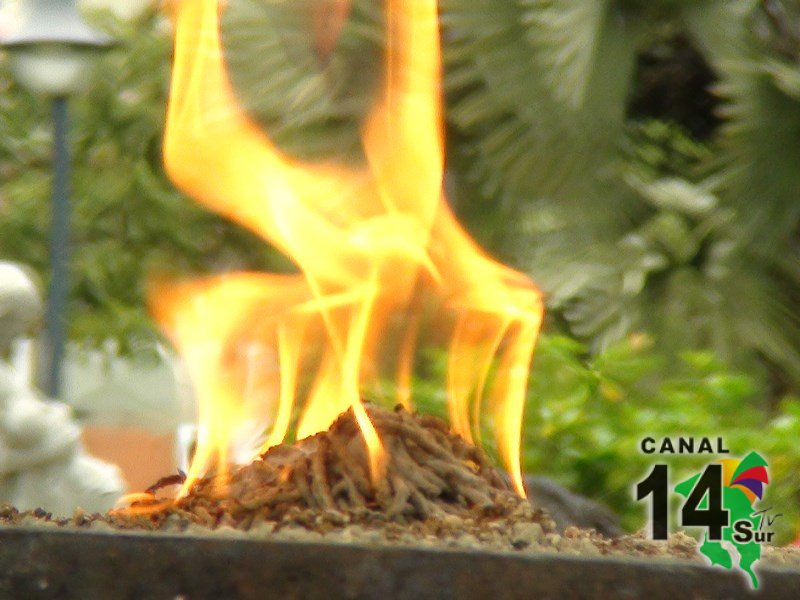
(50, 54)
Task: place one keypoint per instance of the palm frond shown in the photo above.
(719, 27)
(567, 35)
(529, 146)
(760, 142)
(311, 105)
(760, 89)
(688, 276)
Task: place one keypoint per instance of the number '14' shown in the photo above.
(703, 506)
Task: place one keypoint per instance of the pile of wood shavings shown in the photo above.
(431, 473)
(439, 492)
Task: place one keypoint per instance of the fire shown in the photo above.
(377, 251)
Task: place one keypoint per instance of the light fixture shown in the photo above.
(51, 53)
(52, 50)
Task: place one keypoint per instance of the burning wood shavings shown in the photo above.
(431, 473)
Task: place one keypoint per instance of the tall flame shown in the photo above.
(374, 245)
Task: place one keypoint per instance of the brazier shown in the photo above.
(63, 563)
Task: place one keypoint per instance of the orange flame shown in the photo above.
(373, 245)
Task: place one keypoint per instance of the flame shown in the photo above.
(374, 246)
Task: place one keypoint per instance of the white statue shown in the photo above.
(42, 461)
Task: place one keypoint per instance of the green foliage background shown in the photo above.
(588, 413)
(670, 259)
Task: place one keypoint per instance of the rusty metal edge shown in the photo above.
(55, 563)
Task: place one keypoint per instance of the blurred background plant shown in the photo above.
(640, 159)
(588, 413)
(125, 210)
